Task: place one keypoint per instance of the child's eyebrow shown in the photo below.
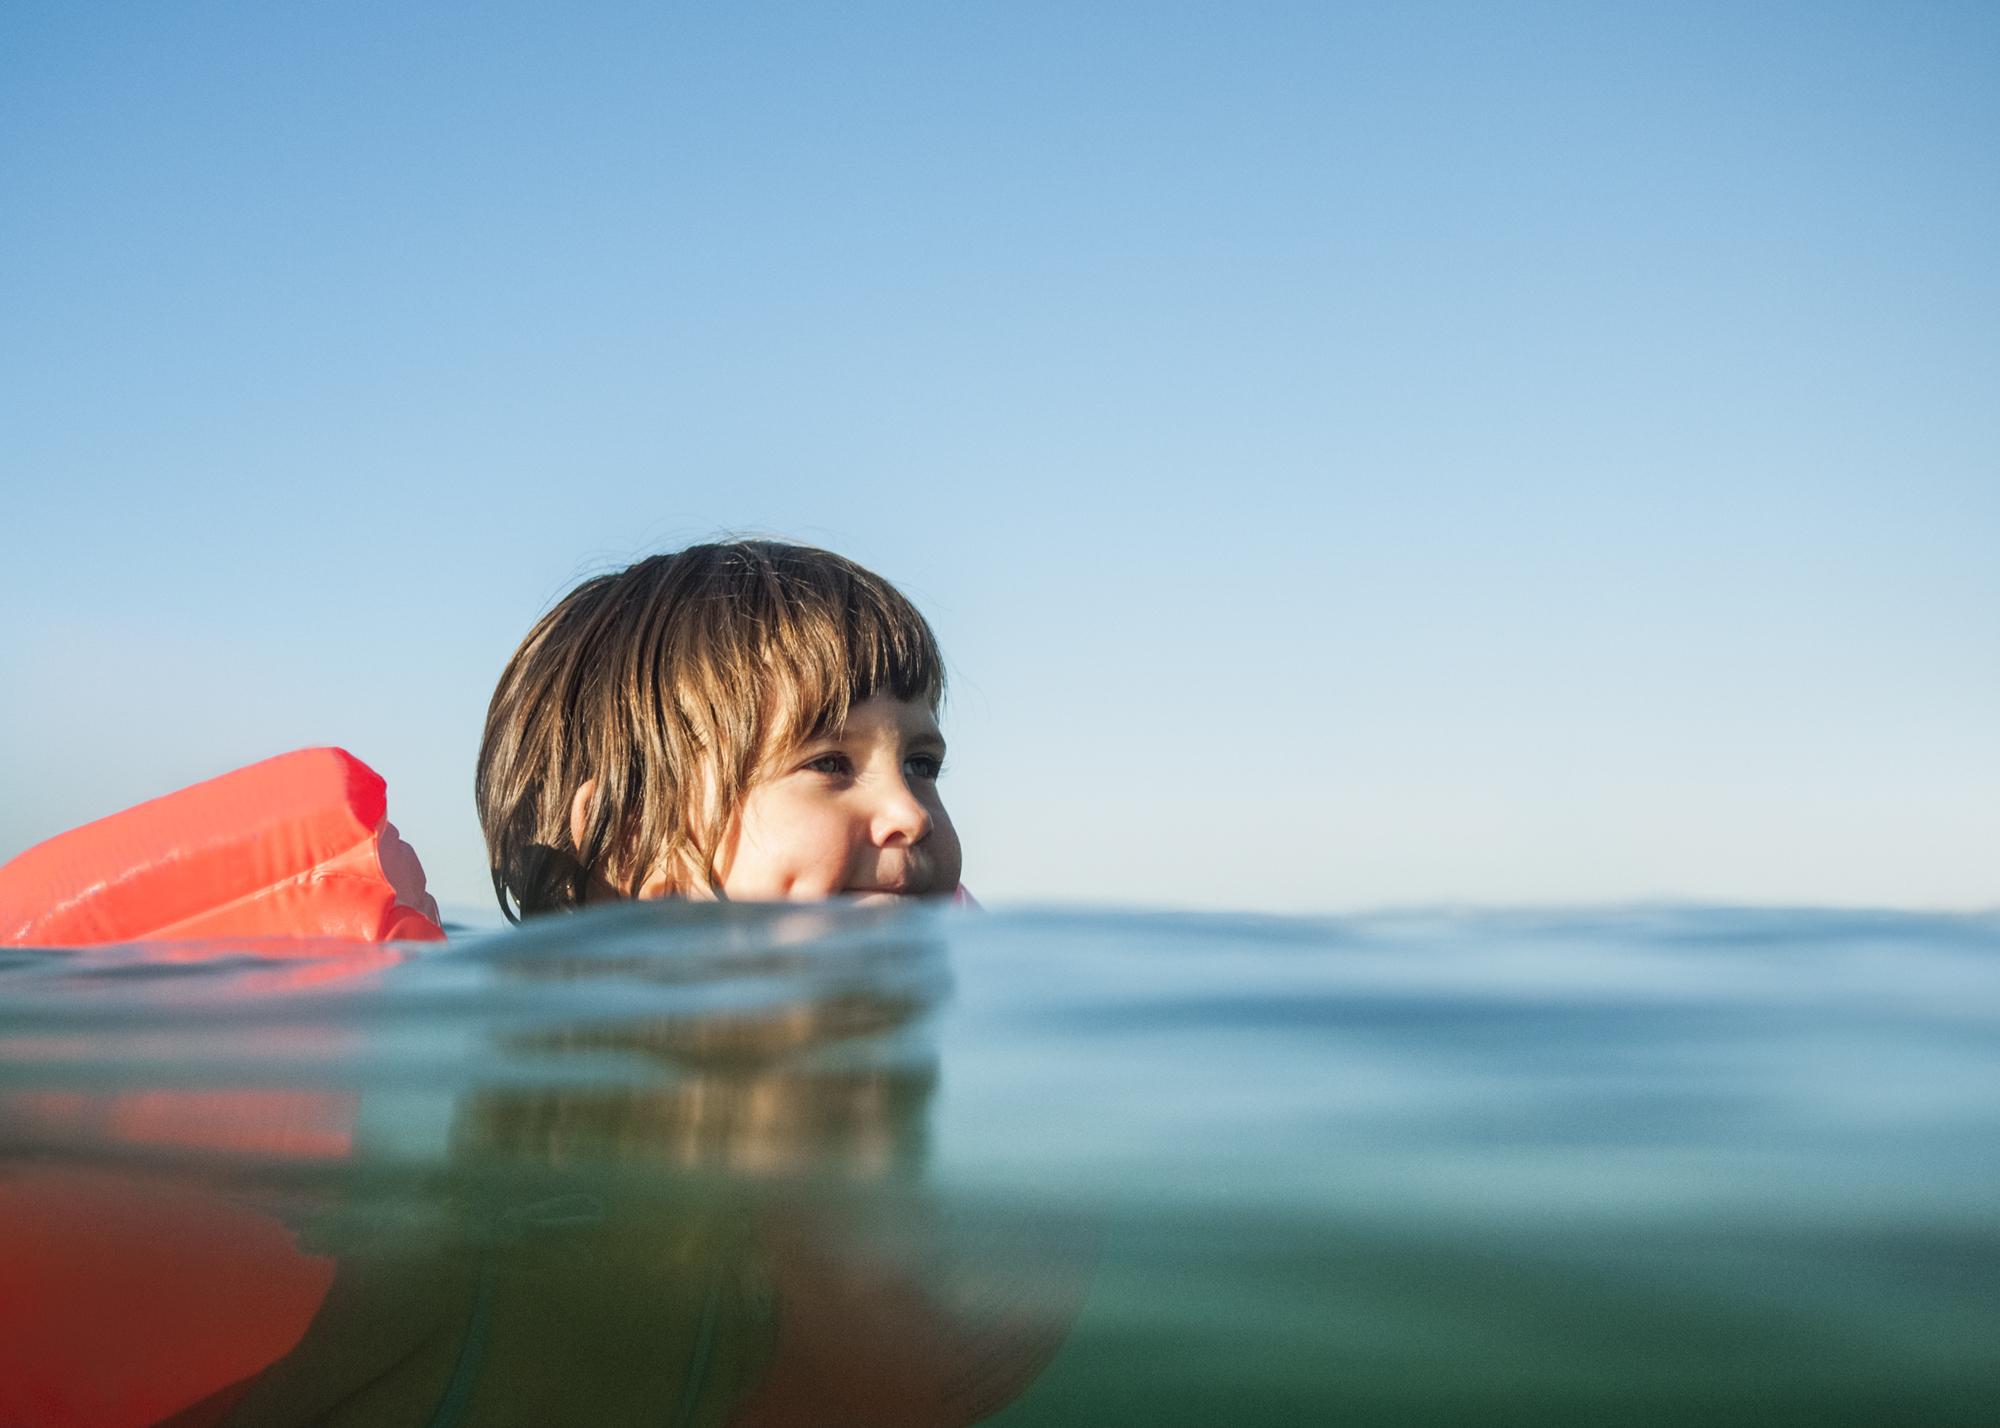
(920, 739)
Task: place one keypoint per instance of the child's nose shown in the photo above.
(901, 818)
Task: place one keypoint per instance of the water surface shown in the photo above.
(711, 1165)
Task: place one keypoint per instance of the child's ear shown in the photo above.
(658, 883)
(579, 812)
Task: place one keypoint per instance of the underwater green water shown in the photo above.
(715, 1165)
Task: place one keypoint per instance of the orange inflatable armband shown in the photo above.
(299, 845)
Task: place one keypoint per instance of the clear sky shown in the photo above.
(1351, 454)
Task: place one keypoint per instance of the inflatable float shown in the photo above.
(298, 845)
(128, 1300)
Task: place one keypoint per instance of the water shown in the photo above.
(709, 1165)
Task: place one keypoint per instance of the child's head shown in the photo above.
(746, 719)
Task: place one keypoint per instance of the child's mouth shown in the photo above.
(899, 890)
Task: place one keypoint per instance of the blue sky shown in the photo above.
(1502, 453)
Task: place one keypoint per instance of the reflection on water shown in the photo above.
(715, 1165)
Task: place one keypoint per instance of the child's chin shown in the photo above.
(872, 899)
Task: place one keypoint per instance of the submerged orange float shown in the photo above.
(298, 845)
(196, 1294)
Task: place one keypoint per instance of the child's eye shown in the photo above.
(834, 765)
(924, 766)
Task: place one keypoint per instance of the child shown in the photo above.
(749, 720)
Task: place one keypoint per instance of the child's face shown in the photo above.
(856, 812)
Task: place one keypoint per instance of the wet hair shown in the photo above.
(672, 683)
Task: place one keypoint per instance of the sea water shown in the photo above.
(844, 1166)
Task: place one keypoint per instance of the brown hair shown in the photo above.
(670, 683)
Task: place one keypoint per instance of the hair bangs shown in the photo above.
(837, 636)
